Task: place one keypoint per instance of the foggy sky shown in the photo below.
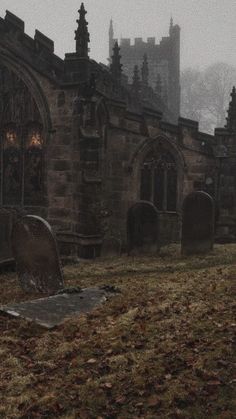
(208, 29)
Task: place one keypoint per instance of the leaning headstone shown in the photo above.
(197, 223)
(143, 228)
(35, 251)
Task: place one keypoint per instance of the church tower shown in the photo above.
(163, 60)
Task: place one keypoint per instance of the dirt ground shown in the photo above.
(164, 347)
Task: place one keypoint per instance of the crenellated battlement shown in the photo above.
(149, 41)
(13, 23)
(12, 29)
(43, 41)
(163, 60)
(125, 42)
(128, 42)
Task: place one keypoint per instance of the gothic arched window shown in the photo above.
(159, 180)
(21, 135)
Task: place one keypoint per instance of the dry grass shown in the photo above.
(163, 348)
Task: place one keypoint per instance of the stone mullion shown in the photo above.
(153, 185)
(165, 186)
(22, 146)
(1, 145)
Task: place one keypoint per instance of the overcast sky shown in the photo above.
(208, 28)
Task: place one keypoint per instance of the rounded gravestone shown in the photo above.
(197, 223)
(35, 251)
(143, 228)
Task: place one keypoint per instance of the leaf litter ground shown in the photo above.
(162, 348)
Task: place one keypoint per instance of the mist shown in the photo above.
(208, 30)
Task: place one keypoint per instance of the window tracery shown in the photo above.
(22, 145)
(159, 180)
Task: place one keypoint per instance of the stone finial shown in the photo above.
(171, 25)
(136, 80)
(111, 39)
(145, 71)
(81, 34)
(231, 119)
(111, 30)
(116, 66)
(158, 86)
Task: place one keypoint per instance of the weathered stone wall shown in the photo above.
(93, 155)
(226, 196)
(130, 136)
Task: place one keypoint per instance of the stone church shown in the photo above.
(83, 144)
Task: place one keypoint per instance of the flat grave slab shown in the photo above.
(54, 310)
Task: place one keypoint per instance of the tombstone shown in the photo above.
(197, 223)
(53, 310)
(143, 228)
(35, 251)
(111, 246)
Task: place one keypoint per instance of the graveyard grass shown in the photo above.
(163, 347)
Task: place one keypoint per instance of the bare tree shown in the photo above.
(191, 100)
(206, 94)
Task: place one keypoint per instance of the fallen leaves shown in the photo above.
(107, 385)
(164, 346)
(92, 361)
(153, 401)
(120, 400)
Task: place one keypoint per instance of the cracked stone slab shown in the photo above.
(54, 310)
